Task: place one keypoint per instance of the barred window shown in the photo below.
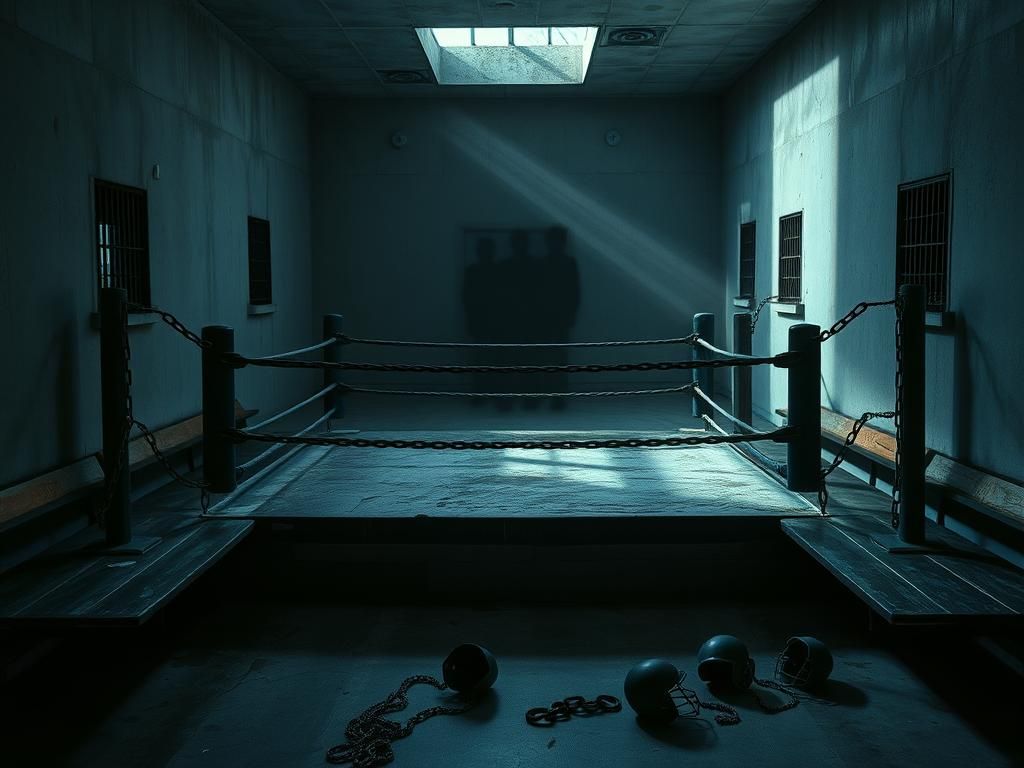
(747, 260)
(922, 238)
(122, 239)
(259, 261)
(791, 230)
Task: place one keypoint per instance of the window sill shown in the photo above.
(135, 319)
(742, 301)
(256, 310)
(939, 321)
(791, 308)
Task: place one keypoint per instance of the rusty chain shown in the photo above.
(778, 435)
(239, 361)
(370, 734)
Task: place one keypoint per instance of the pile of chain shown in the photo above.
(545, 717)
(778, 435)
(370, 734)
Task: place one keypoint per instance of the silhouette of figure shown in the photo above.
(483, 313)
(560, 296)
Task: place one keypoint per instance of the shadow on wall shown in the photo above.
(520, 286)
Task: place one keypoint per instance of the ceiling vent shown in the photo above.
(406, 76)
(635, 36)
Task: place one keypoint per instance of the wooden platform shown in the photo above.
(75, 587)
(959, 583)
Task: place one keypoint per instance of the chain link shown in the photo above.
(370, 734)
(850, 316)
(238, 361)
(778, 435)
(346, 339)
(174, 323)
(487, 395)
(757, 312)
(841, 454)
(898, 421)
(545, 717)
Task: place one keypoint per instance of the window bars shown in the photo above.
(791, 257)
(922, 239)
(122, 240)
(259, 262)
(747, 260)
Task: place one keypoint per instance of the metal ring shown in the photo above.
(538, 716)
(574, 703)
(608, 703)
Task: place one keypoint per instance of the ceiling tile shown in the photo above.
(696, 54)
(760, 34)
(524, 13)
(360, 13)
(573, 12)
(624, 74)
(703, 34)
(444, 13)
(630, 12)
(673, 74)
(257, 14)
(323, 47)
(784, 11)
(613, 55)
(720, 11)
(389, 47)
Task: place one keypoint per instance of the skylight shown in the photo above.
(509, 55)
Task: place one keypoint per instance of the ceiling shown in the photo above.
(339, 47)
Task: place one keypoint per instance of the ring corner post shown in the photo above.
(114, 392)
(332, 354)
(218, 409)
(703, 326)
(912, 306)
(742, 392)
(803, 457)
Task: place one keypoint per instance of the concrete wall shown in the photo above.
(858, 99)
(107, 89)
(388, 223)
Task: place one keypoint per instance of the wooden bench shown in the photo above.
(958, 582)
(84, 477)
(69, 584)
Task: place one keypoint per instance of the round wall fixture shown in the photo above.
(612, 138)
(399, 140)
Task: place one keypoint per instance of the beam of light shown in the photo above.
(596, 469)
(664, 272)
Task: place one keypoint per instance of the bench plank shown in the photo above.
(871, 442)
(958, 585)
(64, 484)
(1004, 500)
(76, 587)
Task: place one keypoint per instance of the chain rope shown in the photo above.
(757, 312)
(239, 361)
(897, 417)
(841, 454)
(778, 435)
(850, 316)
(370, 734)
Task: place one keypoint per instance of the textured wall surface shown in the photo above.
(860, 98)
(107, 89)
(641, 215)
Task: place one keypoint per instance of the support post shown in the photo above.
(804, 449)
(114, 401)
(912, 414)
(332, 354)
(704, 326)
(742, 396)
(218, 409)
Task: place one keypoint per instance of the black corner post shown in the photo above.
(332, 354)
(114, 391)
(218, 409)
(703, 326)
(742, 397)
(804, 448)
(912, 416)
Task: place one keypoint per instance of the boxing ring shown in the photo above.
(322, 472)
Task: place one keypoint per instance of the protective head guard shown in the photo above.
(470, 669)
(655, 692)
(805, 662)
(723, 661)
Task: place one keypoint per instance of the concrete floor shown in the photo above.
(266, 684)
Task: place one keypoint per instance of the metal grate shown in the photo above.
(747, 235)
(122, 239)
(922, 238)
(259, 261)
(791, 230)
